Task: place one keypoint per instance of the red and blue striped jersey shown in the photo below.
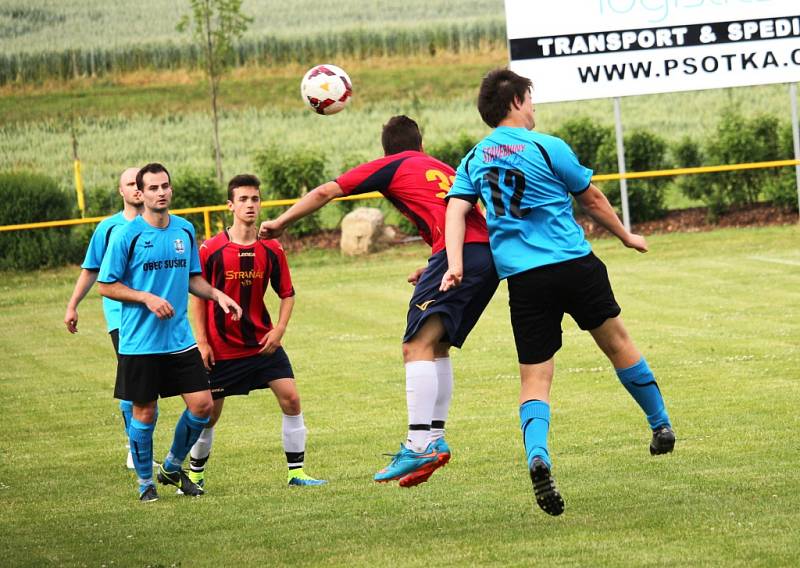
(416, 185)
(243, 272)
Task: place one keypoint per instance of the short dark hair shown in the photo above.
(242, 180)
(400, 134)
(498, 91)
(152, 168)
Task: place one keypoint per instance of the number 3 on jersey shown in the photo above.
(511, 179)
(445, 181)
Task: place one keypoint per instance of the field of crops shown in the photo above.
(62, 39)
(121, 126)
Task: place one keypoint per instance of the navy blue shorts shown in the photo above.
(239, 376)
(459, 307)
(540, 297)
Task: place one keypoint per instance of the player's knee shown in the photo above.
(290, 404)
(202, 407)
(418, 350)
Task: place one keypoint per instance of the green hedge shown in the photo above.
(289, 175)
(30, 198)
(739, 140)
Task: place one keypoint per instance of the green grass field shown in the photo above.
(716, 313)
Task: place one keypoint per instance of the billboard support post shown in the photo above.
(795, 136)
(623, 183)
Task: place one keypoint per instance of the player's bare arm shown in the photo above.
(199, 287)
(413, 278)
(455, 228)
(121, 293)
(308, 204)
(198, 307)
(86, 280)
(272, 340)
(595, 204)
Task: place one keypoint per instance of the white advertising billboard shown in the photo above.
(587, 49)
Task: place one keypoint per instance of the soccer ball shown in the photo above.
(326, 89)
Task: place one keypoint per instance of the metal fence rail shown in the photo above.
(208, 209)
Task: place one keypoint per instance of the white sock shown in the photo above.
(421, 388)
(444, 375)
(294, 439)
(202, 447)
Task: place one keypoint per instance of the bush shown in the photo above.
(289, 175)
(30, 198)
(191, 189)
(644, 151)
(736, 140)
(585, 137)
(782, 189)
(453, 150)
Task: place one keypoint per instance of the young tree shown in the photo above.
(215, 25)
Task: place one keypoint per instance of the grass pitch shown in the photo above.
(716, 314)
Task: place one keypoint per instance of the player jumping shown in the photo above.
(416, 184)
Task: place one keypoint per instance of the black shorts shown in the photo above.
(540, 297)
(143, 378)
(459, 307)
(240, 376)
(114, 333)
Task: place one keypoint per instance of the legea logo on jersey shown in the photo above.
(179, 248)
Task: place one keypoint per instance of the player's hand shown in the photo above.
(71, 320)
(271, 341)
(207, 354)
(270, 230)
(635, 242)
(451, 279)
(413, 278)
(228, 305)
(159, 306)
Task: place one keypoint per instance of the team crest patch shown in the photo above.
(179, 246)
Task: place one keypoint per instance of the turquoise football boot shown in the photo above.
(406, 461)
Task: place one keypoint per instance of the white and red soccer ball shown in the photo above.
(326, 89)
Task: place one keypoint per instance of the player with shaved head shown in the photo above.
(132, 206)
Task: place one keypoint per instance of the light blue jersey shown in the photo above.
(159, 261)
(94, 258)
(525, 180)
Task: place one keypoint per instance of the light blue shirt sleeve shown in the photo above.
(97, 247)
(115, 260)
(567, 167)
(194, 261)
(462, 185)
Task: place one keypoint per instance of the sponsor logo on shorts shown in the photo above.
(220, 389)
(424, 305)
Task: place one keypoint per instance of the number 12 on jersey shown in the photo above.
(512, 179)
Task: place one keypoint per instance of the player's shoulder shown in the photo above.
(273, 245)
(216, 242)
(111, 222)
(549, 141)
(181, 223)
(427, 161)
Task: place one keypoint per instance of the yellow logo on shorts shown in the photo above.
(424, 305)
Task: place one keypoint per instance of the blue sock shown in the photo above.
(126, 406)
(534, 416)
(641, 384)
(141, 440)
(187, 431)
